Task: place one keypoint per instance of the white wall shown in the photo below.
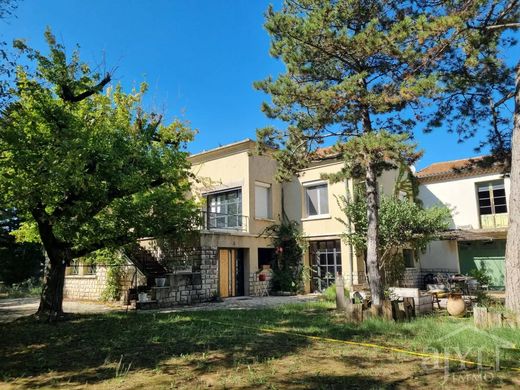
(460, 196)
(440, 255)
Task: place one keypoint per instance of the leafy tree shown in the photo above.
(476, 84)
(374, 152)
(477, 90)
(18, 261)
(403, 224)
(352, 68)
(87, 170)
(7, 64)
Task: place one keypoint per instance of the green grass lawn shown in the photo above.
(226, 349)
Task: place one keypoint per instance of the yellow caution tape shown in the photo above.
(360, 344)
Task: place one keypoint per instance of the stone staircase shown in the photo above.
(148, 265)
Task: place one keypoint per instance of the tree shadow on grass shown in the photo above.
(81, 349)
(87, 348)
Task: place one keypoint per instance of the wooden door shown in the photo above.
(227, 272)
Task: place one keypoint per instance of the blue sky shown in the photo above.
(200, 58)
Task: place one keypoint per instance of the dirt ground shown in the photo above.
(13, 308)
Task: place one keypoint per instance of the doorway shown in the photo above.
(325, 263)
(231, 272)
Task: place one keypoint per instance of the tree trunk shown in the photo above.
(374, 276)
(51, 300)
(58, 257)
(513, 234)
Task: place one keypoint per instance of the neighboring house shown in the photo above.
(240, 199)
(478, 199)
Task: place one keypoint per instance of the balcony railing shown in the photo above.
(219, 221)
(492, 221)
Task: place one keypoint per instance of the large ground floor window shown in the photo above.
(325, 263)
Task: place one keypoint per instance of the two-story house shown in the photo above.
(478, 200)
(239, 199)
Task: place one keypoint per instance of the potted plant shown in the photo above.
(160, 282)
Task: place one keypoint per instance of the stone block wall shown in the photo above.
(92, 287)
(414, 277)
(86, 287)
(256, 286)
(185, 288)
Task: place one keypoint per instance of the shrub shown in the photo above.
(31, 287)
(330, 293)
(287, 266)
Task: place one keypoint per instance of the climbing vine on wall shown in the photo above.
(288, 270)
(114, 262)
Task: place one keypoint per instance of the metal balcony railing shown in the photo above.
(219, 221)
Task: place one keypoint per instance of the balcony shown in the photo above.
(224, 222)
(493, 221)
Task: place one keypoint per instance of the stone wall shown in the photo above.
(258, 287)
(414, 277)
(184, 287)
(86, 287)
(92, 287)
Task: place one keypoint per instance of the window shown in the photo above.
(326, 263)
(225, 210)
(262, 200)
(317, 200)
(90, 269)
(492, 198)
(408, 258)
(74, 267)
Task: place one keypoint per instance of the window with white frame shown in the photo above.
(225, 209)
(317, 199)
(262, 200)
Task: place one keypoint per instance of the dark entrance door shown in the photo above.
(325, 263)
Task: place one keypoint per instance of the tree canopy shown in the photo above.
(85, 164)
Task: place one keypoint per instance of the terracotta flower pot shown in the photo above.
(261, 277)
(456, 305)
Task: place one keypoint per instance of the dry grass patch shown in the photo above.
(225, 349)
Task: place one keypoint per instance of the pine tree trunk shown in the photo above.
(374, 276)
(513, 234)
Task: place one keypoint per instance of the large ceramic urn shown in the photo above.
(456, 305)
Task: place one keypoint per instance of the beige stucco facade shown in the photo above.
(237, 167)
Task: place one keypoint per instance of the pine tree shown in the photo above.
(352, 68)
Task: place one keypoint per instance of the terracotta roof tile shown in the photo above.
(457, 167)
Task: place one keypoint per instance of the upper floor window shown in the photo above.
(225, 209)
(262, 200)
(317, 199)
(492, 198)
(492, 204)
